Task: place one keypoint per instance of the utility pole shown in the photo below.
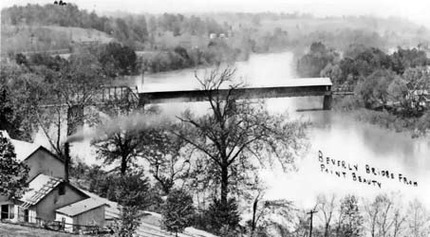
(312, 216)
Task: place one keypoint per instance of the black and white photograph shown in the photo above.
(215, 118)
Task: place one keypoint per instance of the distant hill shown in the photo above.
(337, 32)
(50, 27)
(27, 38)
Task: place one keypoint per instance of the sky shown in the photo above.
(415, 10)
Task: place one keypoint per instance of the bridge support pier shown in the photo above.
(328, 99)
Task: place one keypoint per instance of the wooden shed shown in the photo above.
(88, 212)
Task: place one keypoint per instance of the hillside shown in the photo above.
(48, 27)
(337, 32)
(25, 38)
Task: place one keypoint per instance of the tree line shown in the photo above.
(397, 84)
(236, 34)
(383, 215)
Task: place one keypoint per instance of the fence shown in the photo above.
(61, 226)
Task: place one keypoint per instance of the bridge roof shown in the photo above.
(194, 85)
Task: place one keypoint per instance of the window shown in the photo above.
(7, 211)
(26, 215)
(4, 212)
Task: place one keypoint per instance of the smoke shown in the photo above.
(135, 122)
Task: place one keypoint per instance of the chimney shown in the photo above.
(66, 161)
(75, 115)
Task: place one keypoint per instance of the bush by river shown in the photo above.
(417, 126)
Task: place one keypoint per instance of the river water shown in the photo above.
(401, 164)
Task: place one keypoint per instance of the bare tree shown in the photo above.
(326, 206)
(238, 134)
(385, 221)
(168, 158)
(399, 221)
(74, 89)
(372, 213)
(384, 216)
(418, 220)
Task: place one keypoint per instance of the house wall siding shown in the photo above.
(46, 207)
(92, 217)
(67, 220)
(43, 162)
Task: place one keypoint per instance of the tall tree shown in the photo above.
(318, 57)
(20, 93)
(133, 196)
(418, 85)
(351, 220)
(373, 90)
(167, 155)
(126, 134)
(72, 94)
(13, 174)
(237, 134)
(122, 139)
(418, 219)
(9, 121)
(380, 216)
(326, 207)
(118, 60)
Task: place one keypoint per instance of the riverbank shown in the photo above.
(416, 127)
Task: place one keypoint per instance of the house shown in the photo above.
(212, 36)
(46, 195)
(88, 212)
(49, 190)
(38, 158)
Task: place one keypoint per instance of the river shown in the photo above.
(401, 164)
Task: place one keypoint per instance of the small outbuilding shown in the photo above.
(88, 212)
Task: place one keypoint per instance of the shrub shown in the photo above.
(178, 211)
(219, 219)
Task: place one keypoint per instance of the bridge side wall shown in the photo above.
(263, 92)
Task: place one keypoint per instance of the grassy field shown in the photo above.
(9, 230)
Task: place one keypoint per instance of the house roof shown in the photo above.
(194, 85)
(81, 207)
(39, 187)
(112, 211)
(24, 150)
